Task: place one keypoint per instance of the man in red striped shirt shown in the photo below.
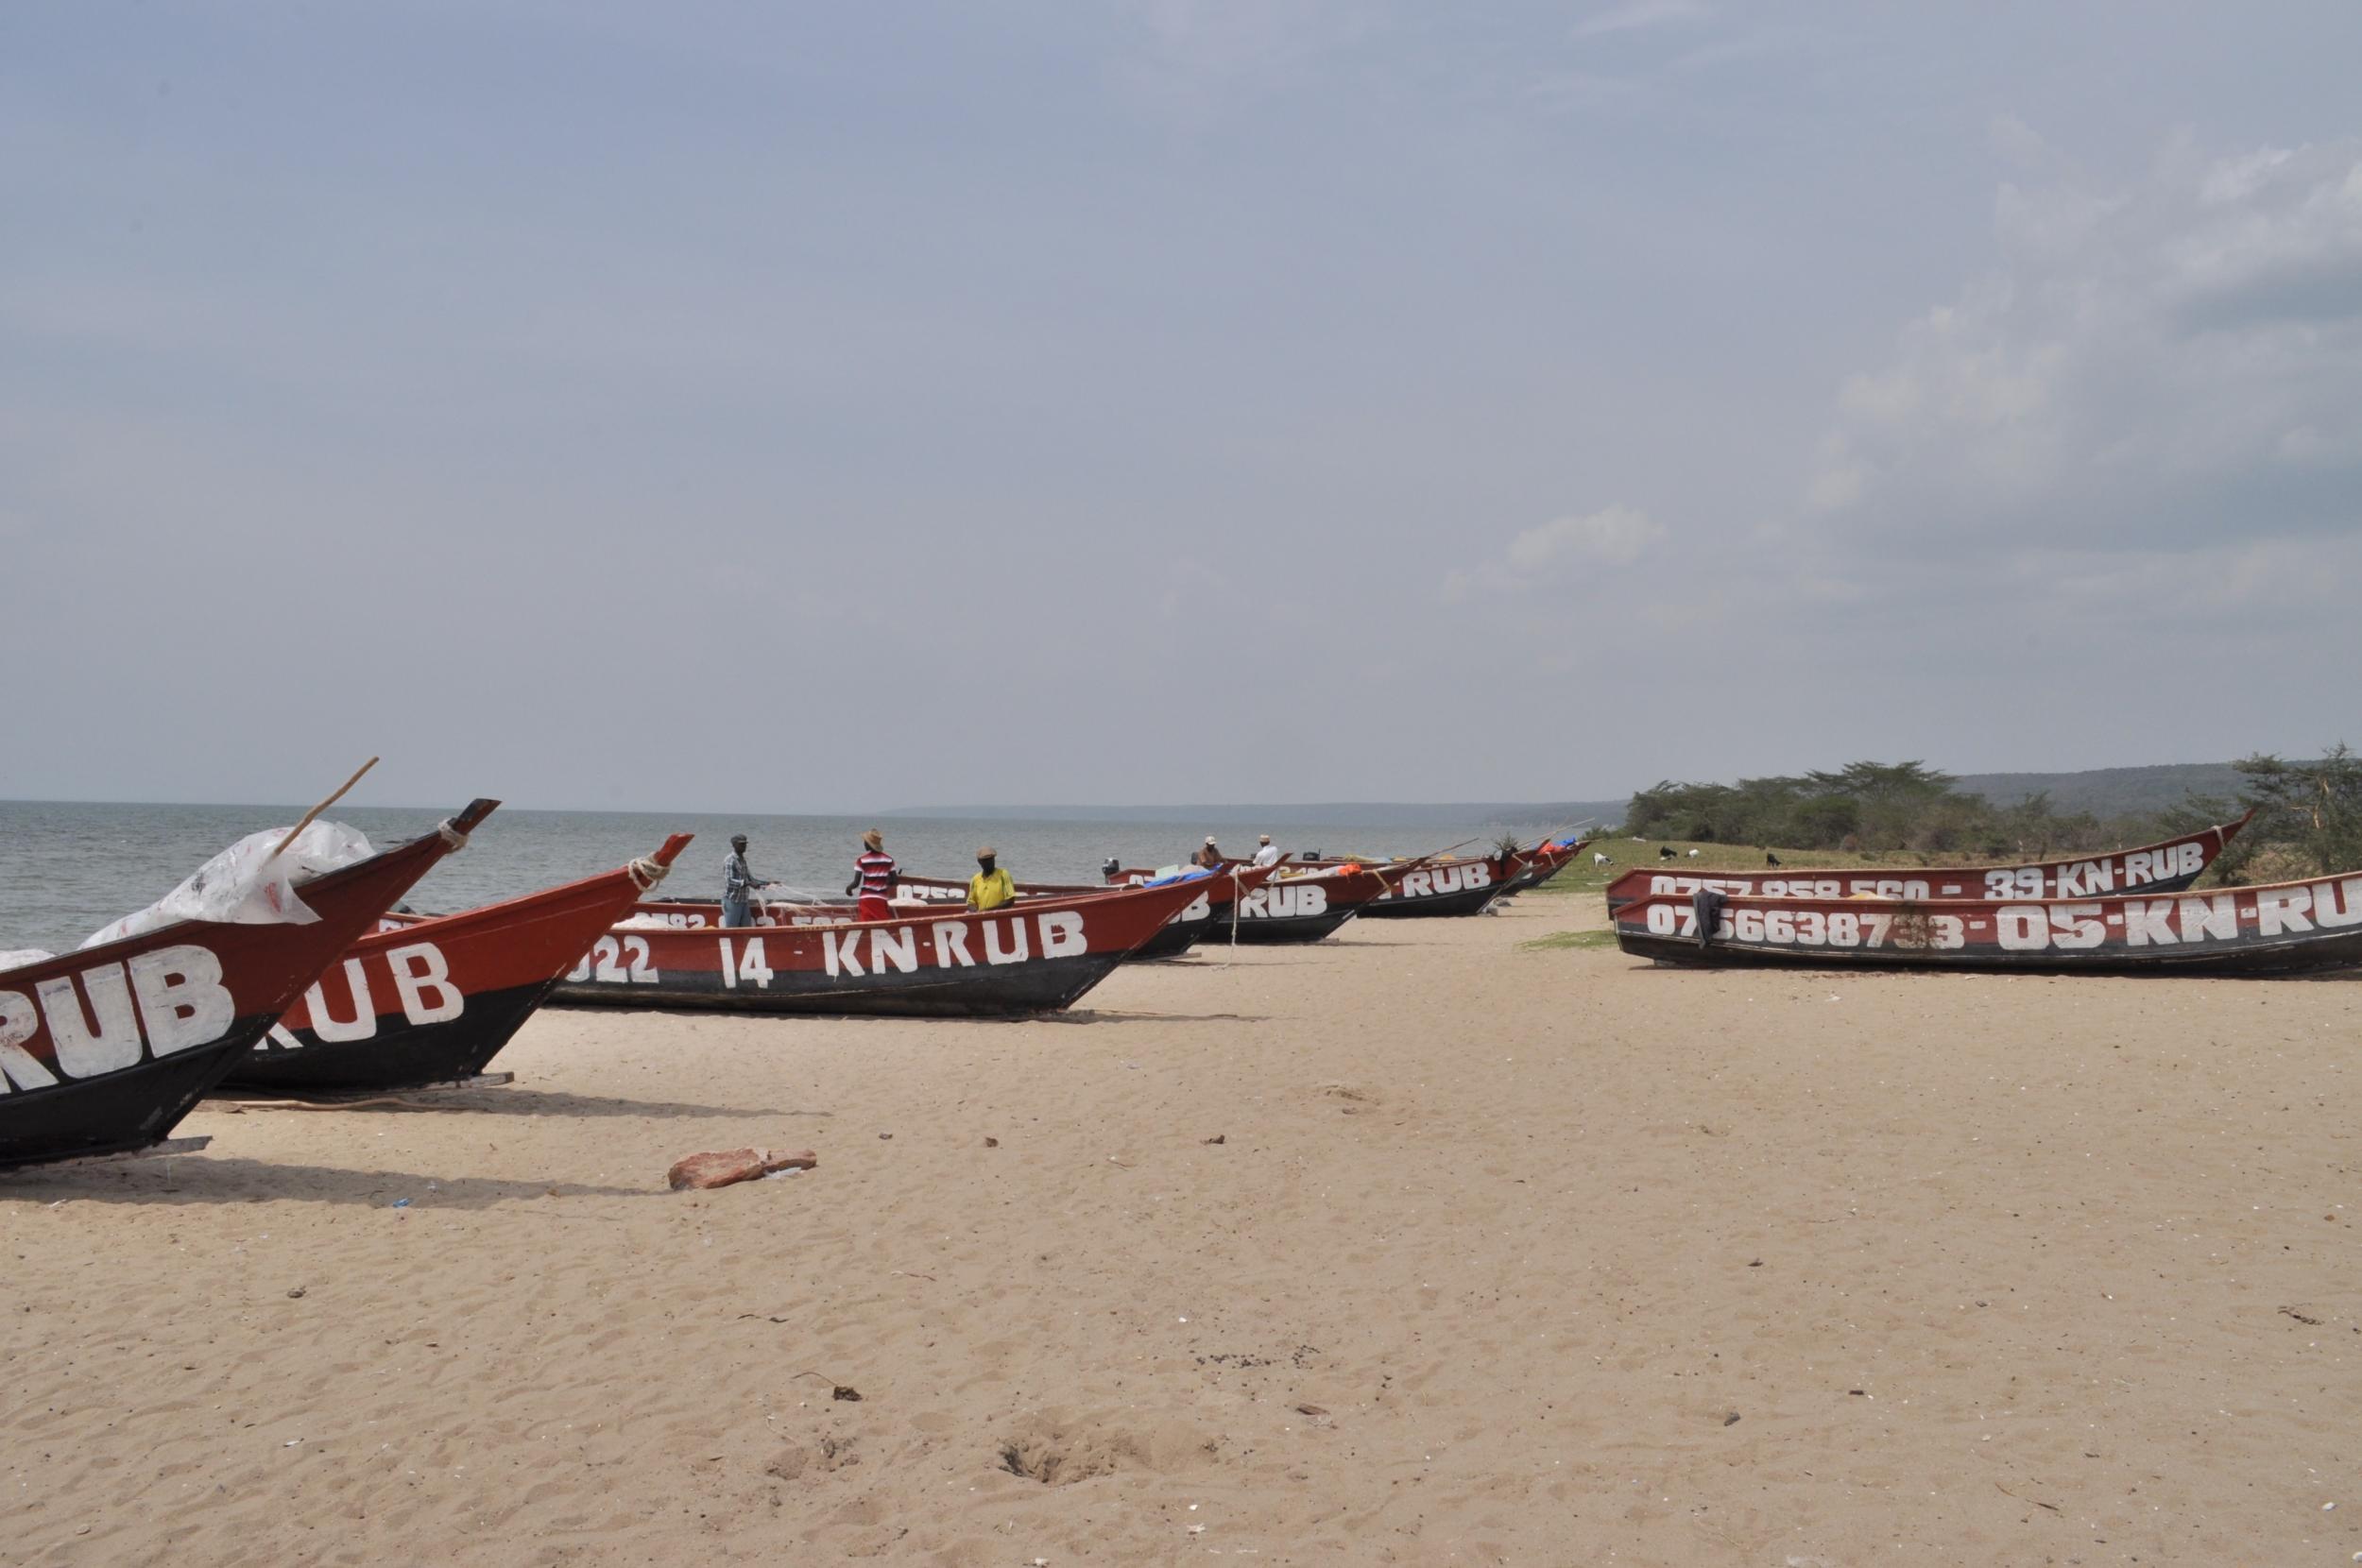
(874, 877)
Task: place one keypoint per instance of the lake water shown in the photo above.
(68, 868)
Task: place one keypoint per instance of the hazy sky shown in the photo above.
(835, 407)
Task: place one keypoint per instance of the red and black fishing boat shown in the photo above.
(1303, 905)
(432, 998)
(2168, 866)
(1036, 956)
(2277, 928)
(1542, 862)
(1434, 885)
(1191, 924)
(106, 1049)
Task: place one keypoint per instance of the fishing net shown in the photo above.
(247, 885)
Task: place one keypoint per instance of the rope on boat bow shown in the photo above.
(453, 838)
(646, 873)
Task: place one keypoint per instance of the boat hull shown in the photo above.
(152, 1022)
(1298, 910)
(2168, 866)
(433, 1000)
(1454, 888)
(1036, 956)
(2283, 928)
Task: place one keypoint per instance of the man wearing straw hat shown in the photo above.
(992, 886)
(874, 877)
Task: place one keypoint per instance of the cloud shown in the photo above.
(1641, 16)
(1560, 550)
(2149, 369)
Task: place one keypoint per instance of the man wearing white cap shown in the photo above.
(1210, 856)
(1268, 854)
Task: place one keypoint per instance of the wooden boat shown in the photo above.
(1303, 905)
(432, 1000)
(1542, 861)
(926, 894)
(106, 1049)
(1436, 885)
(1036, 956)
(2165, 867)
(2278, 929)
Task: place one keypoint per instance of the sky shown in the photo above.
(829, 408)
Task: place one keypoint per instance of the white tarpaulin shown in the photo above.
(246, 885)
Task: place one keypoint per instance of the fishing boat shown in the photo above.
(2275, 929)
(1434, 885)
(2163, 867)
(432, 1000)
(1303, 905)
(1188, 925)
(1035, 956)
(105, 1050)
(1542, 862)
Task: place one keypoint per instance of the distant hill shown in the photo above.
(1366, 813)
(2108, 792)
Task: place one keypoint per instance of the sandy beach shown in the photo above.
(1419, 1246)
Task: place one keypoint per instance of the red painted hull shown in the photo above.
(106, 1049)
(432, 1000)
(1305, 907)
(1192, 922)
(1543, 862)
(2281, 929)
(2163, 867)
(1037, 955)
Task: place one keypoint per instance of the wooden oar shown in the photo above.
(313, 815)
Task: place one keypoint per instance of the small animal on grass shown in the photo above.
(1770, 858)
(1693, 854)
(1664, 852)
(1600, 859)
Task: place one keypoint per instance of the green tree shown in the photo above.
(2313, 808)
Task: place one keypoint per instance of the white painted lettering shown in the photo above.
(20, 1022)
(2148, 923)
(326, 1024)
(1062, 934)
(2077, 925)
(1013, 929)
(103, 1040)
(898, 947)
(2338, 904)
(182, 1001)
(2205, 917)
(423, 979)
(843, 958)
(2022, 928)
(951, 945)
(2281, 909)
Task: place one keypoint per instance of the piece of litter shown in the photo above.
(401, 1202)
(291, 1442)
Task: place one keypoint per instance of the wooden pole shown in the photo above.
(313, 815)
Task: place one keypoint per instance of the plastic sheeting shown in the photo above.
(246, 885)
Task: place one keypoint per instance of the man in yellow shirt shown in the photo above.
(991, 887)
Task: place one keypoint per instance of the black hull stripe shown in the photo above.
(399, 1055)
(1044, 986)
(128, 1108)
